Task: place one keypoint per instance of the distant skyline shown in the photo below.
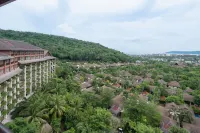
(130, 26)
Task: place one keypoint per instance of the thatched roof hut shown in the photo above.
(188, 90)
(188, 98)
(91, 89)
(171, 91)
(149, 80)
(162, 82)
(191, 128)
(118, 100)
(86, 85)
(138, 78)
(174, 84)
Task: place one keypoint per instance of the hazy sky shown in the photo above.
(131, 26)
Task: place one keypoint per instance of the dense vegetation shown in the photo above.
(67, 48)
(141, 91)
(65, 108)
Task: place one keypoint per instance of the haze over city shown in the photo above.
(130, 26)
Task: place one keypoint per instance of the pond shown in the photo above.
(196, 115)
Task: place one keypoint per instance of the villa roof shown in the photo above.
(188, 90)
(115, 109)
(174, 84)
(91, 89)
(171, 91)
(138, 78)
(118, 100)
(17, 46)
(188, 97)
(86, 85)
(191, 128)
(150, 80)
(162, 82)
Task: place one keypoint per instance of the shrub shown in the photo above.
(175, 129)
(174, 99)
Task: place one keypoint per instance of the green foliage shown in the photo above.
(175, 99)
(142, 112)
(95, 120)
(56, 125)
(196, 110)
(197, 97)
(72, 130)
(20, 125)
(141, 128)
(175, 129)
(67, 48)
(106, 97)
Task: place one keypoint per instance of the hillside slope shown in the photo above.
(67, 48)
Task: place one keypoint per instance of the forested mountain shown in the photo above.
(68, 48)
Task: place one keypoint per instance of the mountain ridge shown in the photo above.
(68, 48)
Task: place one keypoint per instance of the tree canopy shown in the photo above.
(68, 48)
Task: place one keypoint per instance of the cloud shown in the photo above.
(37, 6)
(131, 26)
(165, 31)
(164, 4)
(95, 7)
(65, 28)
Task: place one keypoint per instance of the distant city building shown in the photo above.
(23, 69)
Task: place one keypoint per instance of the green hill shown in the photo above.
(68, 48)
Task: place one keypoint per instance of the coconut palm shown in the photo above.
(34, 112)
(181, 114)
(56, 106)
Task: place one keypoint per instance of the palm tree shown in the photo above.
(181, 114)
(34, 111)
(56, 106)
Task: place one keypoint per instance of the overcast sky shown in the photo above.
(131, 26)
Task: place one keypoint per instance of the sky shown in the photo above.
(130, 26)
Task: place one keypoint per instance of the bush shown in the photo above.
(141, 128)
(196, 110)
(20, 125)
(175, 129)
(174, 99)
(197, 99)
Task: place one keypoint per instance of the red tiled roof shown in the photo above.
(17, 45)
(115, 107)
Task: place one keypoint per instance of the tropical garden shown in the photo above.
(149, 97)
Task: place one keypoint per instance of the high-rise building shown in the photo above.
(23, 69)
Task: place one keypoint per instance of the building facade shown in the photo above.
(23, 69)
